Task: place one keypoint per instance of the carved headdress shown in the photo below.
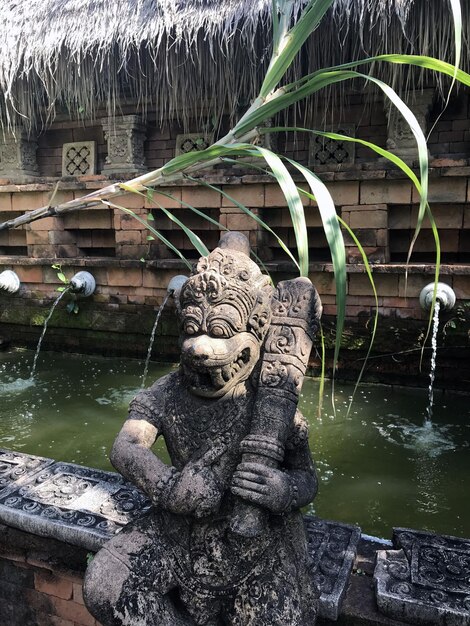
(228, 286)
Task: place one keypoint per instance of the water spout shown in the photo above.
(9, 281)
(445, 295)
(175, 284)
(445, 300)
(83, 284)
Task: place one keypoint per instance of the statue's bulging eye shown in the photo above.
(190, 328)
(221, 330)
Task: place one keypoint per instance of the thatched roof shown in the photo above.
(179, 55)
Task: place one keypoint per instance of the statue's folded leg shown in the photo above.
(130, 583)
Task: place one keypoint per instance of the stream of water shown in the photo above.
(152, 339)
(44, 329)
(432, 373)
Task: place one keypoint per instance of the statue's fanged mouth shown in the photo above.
(214, 377)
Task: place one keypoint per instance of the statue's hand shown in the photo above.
(265, 486)
(194, 492)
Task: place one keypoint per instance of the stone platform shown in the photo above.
(85, 507)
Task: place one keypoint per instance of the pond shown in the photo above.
(378, 466)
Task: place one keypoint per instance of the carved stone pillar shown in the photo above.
(125, 137)
(18, 156)
(401, 140)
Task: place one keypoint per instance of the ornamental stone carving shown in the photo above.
(225, 541)
(18, 156)
(125, 137)
(401, 140)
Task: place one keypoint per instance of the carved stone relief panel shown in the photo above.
(125, 137)
(18, 156)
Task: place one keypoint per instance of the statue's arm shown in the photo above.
(132, 457)
(284, 489)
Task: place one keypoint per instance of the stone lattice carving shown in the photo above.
(79, 158)
(237, 445)
(426, 580)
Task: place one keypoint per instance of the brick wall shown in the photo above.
(132, 269)
(41, 581)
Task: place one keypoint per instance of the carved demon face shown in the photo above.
(224, 310)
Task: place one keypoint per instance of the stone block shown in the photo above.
(445, 190)
(62, 237)
(34, 237)
(157, 279)
(425, 579)
(53, 585)
(42, 251)
(132, 201)
(461, 286)
(28, 200)
(131, 277)
(345, 193)
(240, 222)
(324, 282)
(363, 217)
(160, 199)
(127, 222)
(5, 202)
(385, 284)
(249, 195)
(76, 613)
(274, 197)
(129, 237)
(332, 548)
(381, 192)
(201, 197)
(46, 223)
(32, 274)
(94, 218)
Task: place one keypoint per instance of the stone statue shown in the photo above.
(224, 543)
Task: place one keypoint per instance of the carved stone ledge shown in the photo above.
(86, 507)
(332, 547)
(75, 504)
(125, 137)
(425, 580)
(18, 157)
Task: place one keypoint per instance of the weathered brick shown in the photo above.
(128, 238)
(44, 619)
(28, 200)
(46, 223)
(324, 282)
(376, 218)
(73, 611)
(32, 274)
(461, 286)
(274, 197)
(345, 193)
(201, 198)
(445, 190)
(386, 285)
(34, 237)
(53, 585)
(132, 201)
(248, 195)
(157, 279)
(78, 593)
(131, 252)
(61, 237)
(381, 192)
(240, 221)
(160, 198)
(127, 222)
(94, 218)
(129, 276)
(5, 202)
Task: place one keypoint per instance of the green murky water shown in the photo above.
(378, 467)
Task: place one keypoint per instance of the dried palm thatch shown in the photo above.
(183, 58)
